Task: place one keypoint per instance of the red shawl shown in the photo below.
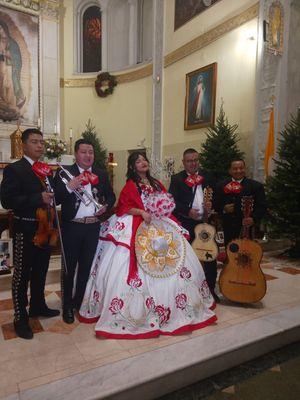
(130, 198)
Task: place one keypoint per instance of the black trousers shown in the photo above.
(80, 243)
(30, 264)
(210, 268)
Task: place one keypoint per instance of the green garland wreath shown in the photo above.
(105, 79)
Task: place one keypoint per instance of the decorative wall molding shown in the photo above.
(180, 53)
(22, 5)
(50, 9)
(121, 78)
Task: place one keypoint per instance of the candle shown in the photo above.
(71, 133)
(55, 128)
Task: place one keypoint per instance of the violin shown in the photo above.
(46, 235)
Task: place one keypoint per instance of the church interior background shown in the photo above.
(62, 48)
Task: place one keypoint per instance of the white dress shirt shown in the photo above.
(86, 211)
(198, 200)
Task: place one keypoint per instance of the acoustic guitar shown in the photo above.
(204, 244)
(242, 279)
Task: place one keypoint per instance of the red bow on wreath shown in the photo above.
(194, 180)
(89, 177)
(233, 187)
(41, 169)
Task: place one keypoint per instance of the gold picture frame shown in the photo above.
(200, 99)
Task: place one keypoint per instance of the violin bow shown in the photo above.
(50, 189)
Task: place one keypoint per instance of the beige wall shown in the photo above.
(235, 55)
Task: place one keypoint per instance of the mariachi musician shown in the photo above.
(187, 189)
(228, 201)
(80, 220)
(24, 192)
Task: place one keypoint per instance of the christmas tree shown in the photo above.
(220, 147)
(283, 188)
(100, 152)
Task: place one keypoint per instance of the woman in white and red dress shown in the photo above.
(145, 280)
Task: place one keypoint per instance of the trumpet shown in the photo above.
(81, 193)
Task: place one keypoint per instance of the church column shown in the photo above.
(104, 32)
(49, 66)
(278, 75)
(158, 47)
(132, 43)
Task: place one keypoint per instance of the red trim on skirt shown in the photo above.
(158, 332)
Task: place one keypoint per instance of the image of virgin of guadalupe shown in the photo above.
(12, 98)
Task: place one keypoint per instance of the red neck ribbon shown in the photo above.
(89, 177)
(194, 180)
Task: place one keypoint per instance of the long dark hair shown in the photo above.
(133, 175)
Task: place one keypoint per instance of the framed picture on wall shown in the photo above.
(19, 67)
(6, 256)
(200, 98)
(186, 10)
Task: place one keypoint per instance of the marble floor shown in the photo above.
(59, 351)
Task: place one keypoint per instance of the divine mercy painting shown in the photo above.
(19, 80)
(200, 97)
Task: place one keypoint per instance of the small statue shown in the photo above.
(16, 143)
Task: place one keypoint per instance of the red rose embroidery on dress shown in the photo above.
(135, 282)
(150, 304)
(96, 296)
(116, 305)
(204, 290)
(119, 226)
(185, 273)
(180, 300)
(163, 314)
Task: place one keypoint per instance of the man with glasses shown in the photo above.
(187, 189)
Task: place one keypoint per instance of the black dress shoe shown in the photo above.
(68, 315)
(45, 312)
(23, 330)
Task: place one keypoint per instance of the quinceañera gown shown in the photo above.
(145, 280)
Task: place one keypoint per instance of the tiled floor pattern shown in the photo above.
(274, 376)
(59, 350)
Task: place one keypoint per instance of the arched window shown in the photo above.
(90, 31)
(91, 40)
(112, 34)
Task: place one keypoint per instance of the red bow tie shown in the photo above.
(89, 177)
(41, 169)
(194, 180)
(233, 187)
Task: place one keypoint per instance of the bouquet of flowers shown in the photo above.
(160, 204)
(55, 147)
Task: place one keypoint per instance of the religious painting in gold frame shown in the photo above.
(275, 28)
(19, 67)
(200, 98)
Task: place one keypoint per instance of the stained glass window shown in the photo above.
(92, 39)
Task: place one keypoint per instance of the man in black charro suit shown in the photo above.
(80, 225)
(23, 192)
(229, 203)
(189, 204)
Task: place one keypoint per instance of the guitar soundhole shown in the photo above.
(234, 248)
(204, 236)
(243, 259)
